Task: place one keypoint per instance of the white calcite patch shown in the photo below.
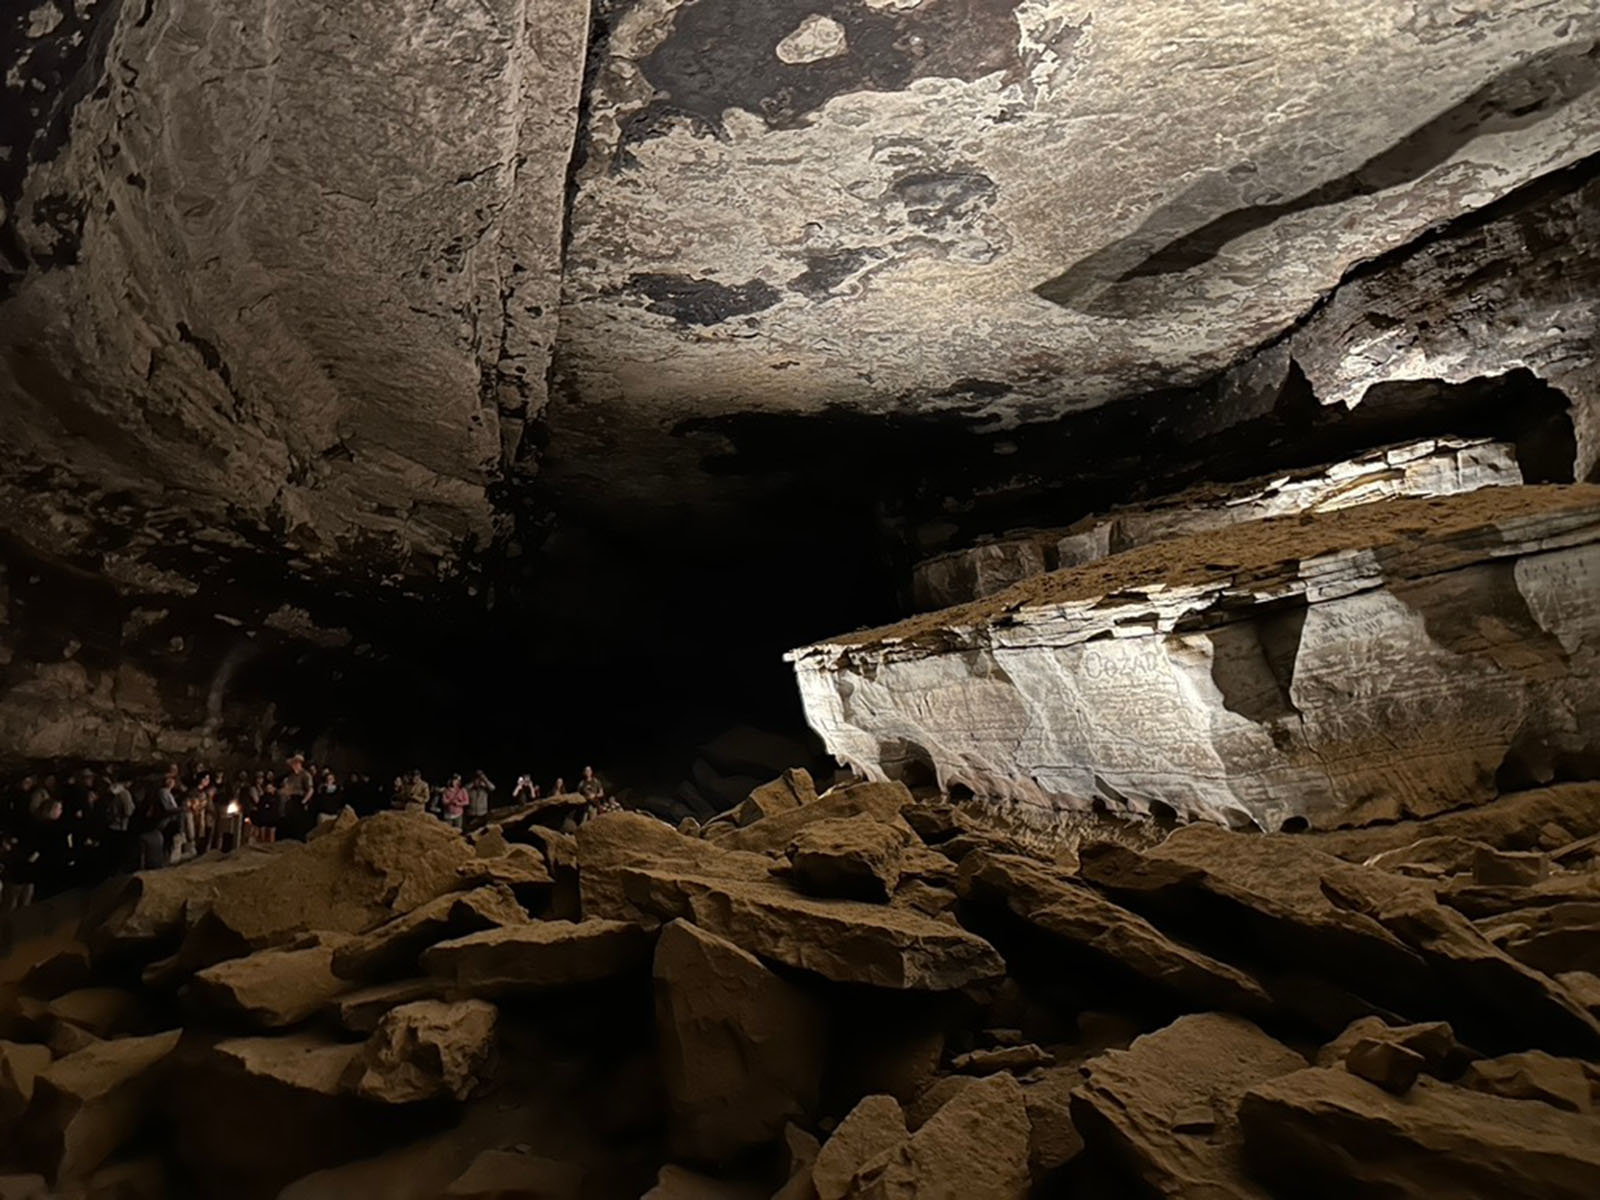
(815, 38)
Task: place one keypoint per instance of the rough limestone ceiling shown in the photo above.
(1008, 209)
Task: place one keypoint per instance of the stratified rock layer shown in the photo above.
(1366, 664)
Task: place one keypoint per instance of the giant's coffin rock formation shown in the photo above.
(1393, 659)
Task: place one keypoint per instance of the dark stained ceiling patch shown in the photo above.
(691, 301)
(723, 54)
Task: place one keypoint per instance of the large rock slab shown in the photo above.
(847, 941)
(1111, 936)
(270, 989)
(741, 1049)
(1434, 467)
(852, 858)
(392, 948)
(87, 1105)
(773, 834)
(616, 842)
(538, 956)
(20, 1065)
(1325, 1133)
(1165, 1107)
(1322, 669)
(975, 1147)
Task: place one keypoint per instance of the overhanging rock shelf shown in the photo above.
(1331, 668)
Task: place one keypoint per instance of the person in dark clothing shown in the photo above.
(151, 827)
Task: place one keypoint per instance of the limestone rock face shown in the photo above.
(270, 989)
(742, 1050)
(1234, 676)
(1436, 467)
(1326, 1133)
(426, 1050)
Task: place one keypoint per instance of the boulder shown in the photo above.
(538, 956)
(427, 1050)
(614, 843)
(359, 1011)
(1053, 1140)
(1430, 857)
(20, 1065)
(1517, 821)
(1534, 1075)
(61, 970)
(1388, 1064)
(1325, 1133)
(1434, 1044)
(1110, 936)
(505, 1175)
(741, 1050)
(874, 1127)
(520, 867)
(102, 1011)
(270, 989)
(1164, 1108)
(1552, 938)
(976, 1147)
(790, 790)
(853, 858)
(1583, 987)
(1509, 868)
(772, 835)
(87, 1105)
(843, 940)
(391, 950)
(1020, 1059)
(679, 1183)
(1224, 658)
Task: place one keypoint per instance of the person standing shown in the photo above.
(417, 791)
(590, 787)
(454, 802)
(479, 792)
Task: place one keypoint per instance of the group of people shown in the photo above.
(60, 832)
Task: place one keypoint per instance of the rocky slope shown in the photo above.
(1393, 659)
(831, 997)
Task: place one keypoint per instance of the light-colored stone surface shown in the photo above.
(427, 1050)
(270, 989)
(1435, 467)
(1337, 669)
(537, 956)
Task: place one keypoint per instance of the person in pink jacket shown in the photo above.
(455, 801)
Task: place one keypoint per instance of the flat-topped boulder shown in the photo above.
(538, 956)
(1328, 669)
(270, 989)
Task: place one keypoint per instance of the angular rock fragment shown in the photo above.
(538, 956)
(518, 867)
(1165, 1107)
(1558, 937)
(874, 1127)
(392, 949)
(1534, 1075)
(772, 835)
(270, 989)
(1120, 939)
(20, 1065)
(1434, 1044)
(102, 1011)
(843, 940)
(1053, 1140)
(850, 858)
(741, 1050)
(617, 842)
(790, 790)
(359, 1011)
(87, 1105)
(679, 1183)
(1324, 1133)
(1512, 822)
(976, 1147)
(1019, 1059)
(60, 971)
(1225, 658)
(426, 1050)
(1388, 1064)
(1509, 868)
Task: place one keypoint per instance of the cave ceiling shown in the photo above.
(362, 291)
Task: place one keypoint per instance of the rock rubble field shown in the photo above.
(867, 993)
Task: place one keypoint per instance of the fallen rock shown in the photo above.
(517, 867)
(772, 835)
(1433, 1042)
(427, 1050)
(1053, 1140)
(680, 1183)
(62, 970)
(538, 956)
(1115, 937)
(974, 1148)
(359, 1011)
(1430, 856)
(87, 1105)
(851, 858)
(1514, 822)
(843, 940)
(615, 843)
(1033, 697)
(1535, 1075)
(392, 949)
(102, 1011)
(1165, 1106)
(20, 1065)
(504, 1175)
(1020, 1059)
(1554, 938)
(1388, 1064)
(1509, 868)
(790, 790)
(271, 989)
(1583, 987)
(1325, 1133)
(741, 1050)
(874, 1127)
